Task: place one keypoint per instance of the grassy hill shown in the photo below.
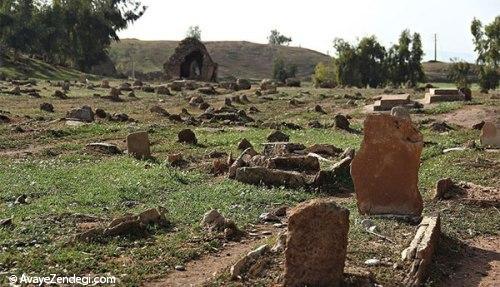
(235, 58)
(25, 67)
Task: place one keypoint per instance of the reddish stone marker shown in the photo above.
(385, 170)
(316, 244)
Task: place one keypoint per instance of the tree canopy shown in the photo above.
(276, 38)
(69, 32)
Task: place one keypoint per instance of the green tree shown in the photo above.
(276, 38)
(347, 64)
(458, 72)
(404, 60)
(371, 62)
(416, 72)
(194, 32)
(487, 45)
(325, 75)
(283, 71)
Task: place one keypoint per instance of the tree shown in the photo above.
(282, 71)
(276, 38)
(371, 62)
(325, 75)
(404, 60)
(487, 45)
(347, 64)
(194, 32)
(458, 72)
(416, 71)
(74, 32)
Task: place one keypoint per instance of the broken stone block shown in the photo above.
(131, 227)
(187, 136)
(138, 145)
(47, 107)
(244, 144)
(443, 186)
(490, 135)
(316, 244)
(213, 220)
(271, 177)
(400, 112)
(207, 90)
(421, 250)
(159, 110)
(278, 136)
(105, 84)
(297, 163)
(196, 100)
(59, 94)
(162, 90)
(268, 86)
(281, 148)
(241, 161)
(385, 169)
(324, 149)
(341, 122)
(84, 114)
(319, 109)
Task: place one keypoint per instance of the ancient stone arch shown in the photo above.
(191, 61)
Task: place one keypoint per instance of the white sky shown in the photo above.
(315, 23)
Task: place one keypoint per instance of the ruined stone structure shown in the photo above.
(191, 61)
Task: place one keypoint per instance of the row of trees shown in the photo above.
(487, 45)
(369, 63)
(67, 32)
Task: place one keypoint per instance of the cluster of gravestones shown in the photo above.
(385, 176)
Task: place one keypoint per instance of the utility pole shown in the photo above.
(435, 47)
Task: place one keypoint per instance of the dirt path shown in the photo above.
(480, 264)
(209, 266)
(470, 115)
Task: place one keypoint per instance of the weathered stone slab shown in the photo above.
(422, 249)
(281, 148)
(443, 95)
(297, 163)
(385, 170)
(272, 177)
(387, 102)
(316, 244)
(138, 145)
(490, 135)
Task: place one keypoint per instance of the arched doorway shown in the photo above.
(192, 65)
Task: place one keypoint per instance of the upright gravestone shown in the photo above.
(316, 244)
(385, 170)
(490, 135)
(138, 145)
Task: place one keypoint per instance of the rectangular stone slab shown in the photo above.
(430, 98)
(443, 91)
(387, 102)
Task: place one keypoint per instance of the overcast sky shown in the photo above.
(315, 23)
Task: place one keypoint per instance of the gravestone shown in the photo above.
(316, 244)
(490, 135)
(387, 102)
(443, 95)
(385, 170)
(138, 145)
